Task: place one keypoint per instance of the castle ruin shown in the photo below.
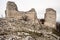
(20, 25)
(12, 12)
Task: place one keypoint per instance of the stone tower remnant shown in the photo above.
(50, 18)
(11, 9)
(12, 12)
(11, 6)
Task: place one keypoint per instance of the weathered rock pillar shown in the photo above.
(50, 18)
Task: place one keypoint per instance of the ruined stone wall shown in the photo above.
(50, 18)
(31, 14)
(12, 12)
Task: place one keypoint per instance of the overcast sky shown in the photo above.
(39, 5)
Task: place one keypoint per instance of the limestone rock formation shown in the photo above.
(22, 30)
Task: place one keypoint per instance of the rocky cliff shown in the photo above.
(11, 29)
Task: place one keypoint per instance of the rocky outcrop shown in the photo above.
(24, 30)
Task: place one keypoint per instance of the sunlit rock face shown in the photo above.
(20, 25)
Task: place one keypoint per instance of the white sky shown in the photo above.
(39, 5)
